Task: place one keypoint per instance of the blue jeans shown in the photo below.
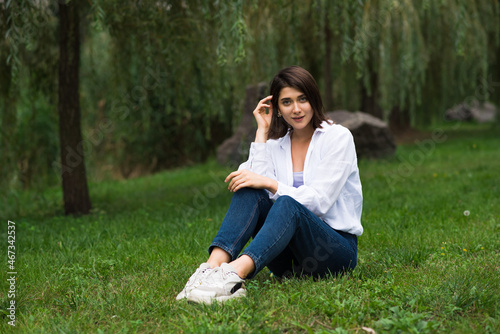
(287, 238)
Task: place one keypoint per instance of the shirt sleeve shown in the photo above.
(259, 160)
(330, 176)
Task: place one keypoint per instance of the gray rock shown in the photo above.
(460, 112)
(234, 150)
(372, 136)
(473, 111)
(483, 113)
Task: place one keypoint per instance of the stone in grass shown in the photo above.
(473, 111)
(483, 113)
(234, 150)
(372, 136)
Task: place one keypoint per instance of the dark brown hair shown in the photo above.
(300, 79)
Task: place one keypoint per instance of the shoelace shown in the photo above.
(192, 280)
(224, 274)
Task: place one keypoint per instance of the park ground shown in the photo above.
(429, 257)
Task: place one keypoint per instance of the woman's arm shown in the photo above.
(258, 157)
(263, 119)
(253, 172)
(245, 178)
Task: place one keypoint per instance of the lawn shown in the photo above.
(428, 259)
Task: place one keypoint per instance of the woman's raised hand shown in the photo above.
(263, 118)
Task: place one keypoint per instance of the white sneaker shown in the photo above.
(195, 280)
(223, 283)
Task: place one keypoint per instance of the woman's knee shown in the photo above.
(247, 196)
(250, 192)
(286, 201)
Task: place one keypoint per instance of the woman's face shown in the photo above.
(295, 108)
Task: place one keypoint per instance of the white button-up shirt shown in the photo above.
(332, 188)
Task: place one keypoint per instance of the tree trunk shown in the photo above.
(369, 103)
(74, 178)
(328, 66)
(399, 120)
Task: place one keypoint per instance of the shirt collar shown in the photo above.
(325, 125)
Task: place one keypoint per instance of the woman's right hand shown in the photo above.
(263, 118)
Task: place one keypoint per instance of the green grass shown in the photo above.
(424, 267)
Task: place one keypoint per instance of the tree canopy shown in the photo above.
(162, 82)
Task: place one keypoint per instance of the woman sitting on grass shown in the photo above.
(298, 196)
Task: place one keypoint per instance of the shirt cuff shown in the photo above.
(283, 189)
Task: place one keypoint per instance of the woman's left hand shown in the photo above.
(245, 178)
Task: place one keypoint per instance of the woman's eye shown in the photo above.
(303, 99)
(285, 103)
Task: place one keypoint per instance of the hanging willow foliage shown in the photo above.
(172, 68)
(163, 82)
(28, 123)
(427, 55)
